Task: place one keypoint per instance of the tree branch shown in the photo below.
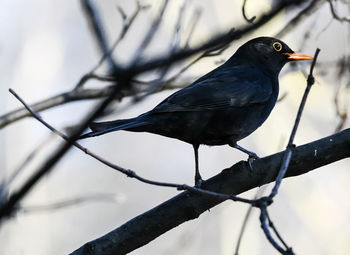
(235, 180)
(303, 14)
(335, 15)
(157, 62)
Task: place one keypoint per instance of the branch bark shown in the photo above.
(234, 180)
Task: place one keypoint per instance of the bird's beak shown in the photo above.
(295, 56)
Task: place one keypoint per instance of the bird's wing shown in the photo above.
(219, 89)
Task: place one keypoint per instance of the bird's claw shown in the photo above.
(251, 159)
(198, 182)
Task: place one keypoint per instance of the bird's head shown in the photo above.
(268, 52)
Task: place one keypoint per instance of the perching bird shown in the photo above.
(221, 107)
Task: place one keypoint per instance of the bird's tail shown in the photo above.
(100, 128)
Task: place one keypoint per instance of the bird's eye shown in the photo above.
(277, 46)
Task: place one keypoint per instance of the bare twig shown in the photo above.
(7, 208)
(235, 180)
(128, 172)
(272, 226)
(303, 14)
(265, 227)
(114, 198)
(341, 113)
(150, 34)
(222, 39)
(258, 194)
(179, 26)
(26, 161)
(66, 97)
(107, 53)
(245, 15)
(290, 146)
(98, 30)
(125, 75)
(335, 15)
(243, 228)
(85, 94)
(192, 26)
(264, 202)
(155, 84)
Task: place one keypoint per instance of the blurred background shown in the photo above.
(46, 47)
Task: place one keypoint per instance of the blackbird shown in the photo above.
(221, 107)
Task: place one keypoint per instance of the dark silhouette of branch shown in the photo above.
(7, 208)
(192, 26)
(103, 197)
(128, 172)
(219, 40)
(264, 202)
(26, 161)
(244, 225)
(66, 97)
(335, 15)
(150, 34)
(341, 112)
(290, 146)
(124, 76)
(234, 180)
(265, 226)
(303, 14)
(76, 95)
(97, 28)
(93, 19)
(245, 15)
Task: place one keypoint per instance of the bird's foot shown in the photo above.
(198, 182)
(252, 156)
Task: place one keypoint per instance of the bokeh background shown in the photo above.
(45, 48)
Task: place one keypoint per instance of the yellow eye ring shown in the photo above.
(277, 46)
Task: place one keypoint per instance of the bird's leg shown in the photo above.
(197, 177)
(252, 155)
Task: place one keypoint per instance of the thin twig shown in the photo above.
(300, 16)
(265, 227)
(128, 172)
(341, 113)
(95, 23)
(258, 194)
(272, 226)
(290, 146)
(264, 202)
(179, 26)
(221, 39)
(192, 26)
(183, 207)
(245, 15)
(335, 15)
(107, 53)
(7, 208)
(150, 34)
(69, 202)
(26, 161)
(243, 228)
(125, 75)
(155, 84)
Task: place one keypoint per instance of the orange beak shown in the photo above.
(298, 56)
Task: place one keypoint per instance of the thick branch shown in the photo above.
(235, 180)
